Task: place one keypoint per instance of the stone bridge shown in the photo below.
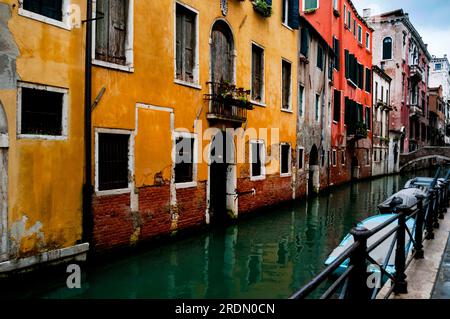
(428, 152)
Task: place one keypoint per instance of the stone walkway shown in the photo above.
(442, 286)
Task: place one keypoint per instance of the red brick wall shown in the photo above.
(272, 190)
(114, 224)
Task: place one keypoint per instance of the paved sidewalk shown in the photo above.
(442, 287)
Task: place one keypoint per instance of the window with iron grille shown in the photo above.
(186, 43)
(257, 73)
(285, 154)
(286, 85)
(184, 160)
(113, 165)
(111, 28)
(48, 8)
(41, 112)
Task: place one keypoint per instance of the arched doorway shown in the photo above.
(222, 179)
(314, 175)
(222, 53)
(4, 145)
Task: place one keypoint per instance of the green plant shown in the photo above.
(361, 129)
(262, 7)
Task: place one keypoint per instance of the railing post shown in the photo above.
(357, 280)
(436, 208)
(400, 286)
(429, 216)
(418, 235)
(442, 205)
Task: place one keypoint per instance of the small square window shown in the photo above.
(113, 165)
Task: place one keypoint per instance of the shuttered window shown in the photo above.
(290, 15)
(111, 31)
(184, 160)
(304, 43)
(353, 115)
(337, 106)
(368, 80)
(368, 117)
(361, 76)
(113, 161)
(257, 73)
(48, 8)
(320, 57)
(41, 112)
(286, 85)
(185, 44)
(311, 4)
(337, 53)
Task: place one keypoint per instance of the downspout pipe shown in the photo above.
(87, 187)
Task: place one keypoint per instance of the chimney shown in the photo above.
(367, 13)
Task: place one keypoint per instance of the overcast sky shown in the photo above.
(431, 18)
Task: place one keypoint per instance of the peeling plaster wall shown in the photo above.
(8, 51)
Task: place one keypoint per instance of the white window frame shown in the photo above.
(304, 9)
(64, 24)
(263, 100)
(345, 14)
(289, 110)
(344, 162)
(263, 160)
(360, 34)
(130, 161)
(64, 112)
(285, 21)
(196, 70)
(289, 173)
(129, 42)
(194, 136)
(368, 41)
(334, 158)
(301, 148)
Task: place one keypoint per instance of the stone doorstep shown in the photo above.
(422, 274)
(77, 253)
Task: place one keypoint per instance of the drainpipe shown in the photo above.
(87, 187)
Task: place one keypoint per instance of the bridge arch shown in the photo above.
(412, 162)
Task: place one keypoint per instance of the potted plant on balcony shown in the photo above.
(361, 130)
(262, 8)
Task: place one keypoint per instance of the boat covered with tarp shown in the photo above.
(406, 199)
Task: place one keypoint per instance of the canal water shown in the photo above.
(270, 255)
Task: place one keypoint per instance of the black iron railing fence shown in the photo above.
(353, 283)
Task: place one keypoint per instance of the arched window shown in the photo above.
(387, 48)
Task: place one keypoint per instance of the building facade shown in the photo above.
(385, 150)
(401, 53)
(436, 115)
(440, 76)
(41, 133)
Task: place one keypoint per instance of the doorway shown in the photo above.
(4, 144)
(222, 179)
(222, 53)
(314, 175)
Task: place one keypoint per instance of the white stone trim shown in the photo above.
(64, 118)
(77, 252)
(129, 42)
(194, 136)
(64, 24)
(130, 161)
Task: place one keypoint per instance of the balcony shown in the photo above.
(416, 73)
(228, 103)
(415, 111)
(357, 131)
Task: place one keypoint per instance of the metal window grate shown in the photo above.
(48, 8)
(113, 161)
(184, 166)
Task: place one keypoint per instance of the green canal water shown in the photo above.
(270, 255)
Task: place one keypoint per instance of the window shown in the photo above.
(360, 36)
(290, 16)
(367, 157)
(286, 85)
(387, 48)
(301, 158)
(334, 158)
(336, 5)
(337, 53)
(257, 74)
(349, 20)
(304, 43)
(184, 159)
(52, 9)
(301, 100)
(368, 41)
(186, 44)
(375, 159)
(317, 110)
(113, 161)
(257, 154)
(368, 80)
(368, 117)
(285, 159)
(337, 106)
(345, 15)
(113, 41)
(310, 5)
(438, 66)
(360, 76)
(343, 159)
(320, 57)
(42, 111)
(354, 28)
(284, 17)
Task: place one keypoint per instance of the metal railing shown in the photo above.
(353, 283)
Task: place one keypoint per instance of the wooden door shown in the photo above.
(222, 59)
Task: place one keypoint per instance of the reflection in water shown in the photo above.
(269, 256)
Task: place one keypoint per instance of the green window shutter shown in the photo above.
(311, 4)
(293, 14)
(304, 46)
(101, 30)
